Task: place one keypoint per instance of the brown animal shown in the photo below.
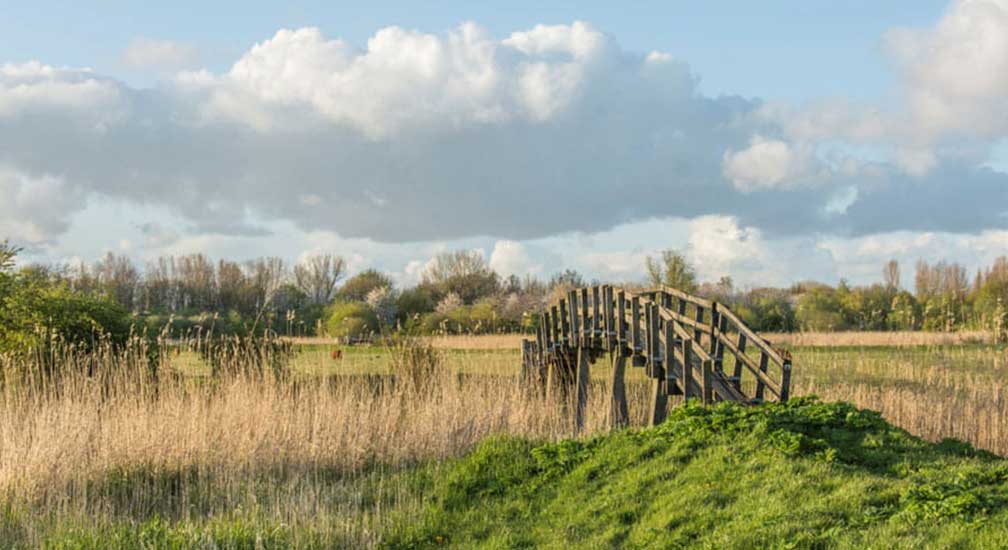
(337, 354)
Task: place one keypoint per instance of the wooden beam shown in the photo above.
(619, 416)
(582, 389)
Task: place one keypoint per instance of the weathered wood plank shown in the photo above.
(619, 415)
(581, 399)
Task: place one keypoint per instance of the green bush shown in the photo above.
(350, 320)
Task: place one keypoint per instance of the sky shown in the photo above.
(771, 142)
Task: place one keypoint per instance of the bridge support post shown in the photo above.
(582, 388)
(659, 399)
(619, 417)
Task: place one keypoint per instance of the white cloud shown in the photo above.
(33, 87)
(149, 53)
(35, 209)
(768, 164)
(718, 246)
(512, 258)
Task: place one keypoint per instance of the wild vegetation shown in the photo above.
(115, 435)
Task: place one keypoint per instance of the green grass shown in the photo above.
(802, 475)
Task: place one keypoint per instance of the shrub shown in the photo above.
(351, 320)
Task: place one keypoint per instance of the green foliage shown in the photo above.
(350, 320)
(804, 474)
(413, 303)
(33, 310)
(673, 270)
(357, 288)
(820, 309)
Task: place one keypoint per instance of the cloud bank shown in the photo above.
(548, 131)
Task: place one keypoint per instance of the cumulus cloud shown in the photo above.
(35, 209)
(424, 137)
(769, 164)
(149, 53)
(513, 258)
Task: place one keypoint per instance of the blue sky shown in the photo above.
(775, 49)
(770, 141)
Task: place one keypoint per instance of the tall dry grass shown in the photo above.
(285, 447)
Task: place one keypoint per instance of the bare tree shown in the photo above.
(463, 272)
(318, 275)
(119, 278)
(891, 275)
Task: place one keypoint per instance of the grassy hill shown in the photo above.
(801, 475)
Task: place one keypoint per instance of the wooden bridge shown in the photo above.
(679, 340)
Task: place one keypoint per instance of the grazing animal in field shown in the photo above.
(337, 354)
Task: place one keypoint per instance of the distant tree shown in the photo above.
(672, 269)
(462, 272)
(567, 279)
(318, 275)
(118, 278)
(891, 275)
(357, 288)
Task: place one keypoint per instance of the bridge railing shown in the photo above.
(688, 345)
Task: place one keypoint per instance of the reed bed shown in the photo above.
(108, 441)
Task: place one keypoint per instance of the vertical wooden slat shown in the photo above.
(687, 368)
(721, 333)
(697, 333)
(618, 413)
(659, 400)
(713, 343)
(596, 315)
(635, 329)
(585, 320)
(785, 381)
(648, 336)
(737, 373)
(708, 383)
(564, 322)
(572, 306)
(764, 362)
(555, 327)
(672, 370)
(654, 340)
(582, 389)
(621, 318)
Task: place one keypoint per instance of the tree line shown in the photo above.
(459, 293)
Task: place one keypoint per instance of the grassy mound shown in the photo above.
(801, 475)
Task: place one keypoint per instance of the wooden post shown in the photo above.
(621, 318)
(708, 382)
(618, 414)
(647, 338)
(659, 399)
(596, 326)
(582, 389)
(737, 373)
(555, 328)
(764, 362)
(564, 322)
(722, 328)
(635, 332)
(572, 305)
(713, 344)
(673, 380)
(697, 333)
(785, 385)
(687, 368)
(585, 320)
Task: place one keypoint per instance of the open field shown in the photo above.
(337, 453)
